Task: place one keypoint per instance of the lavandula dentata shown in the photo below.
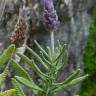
(20, 34)
(50, 19)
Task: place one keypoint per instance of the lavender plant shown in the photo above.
(50, 19)
(47, 79)
(51, 60)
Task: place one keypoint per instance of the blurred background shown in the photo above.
(77, 29)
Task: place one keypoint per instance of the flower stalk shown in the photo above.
(50, 19)
(52, 41)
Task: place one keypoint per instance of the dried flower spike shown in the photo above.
(20, 32)
(50, 18)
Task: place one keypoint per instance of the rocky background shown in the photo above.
(74, 16)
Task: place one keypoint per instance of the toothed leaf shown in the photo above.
(3, 76)
(10, 92)
(20, 70)
(17, 86)
(28, 83)
(34, 66)
(66, 85)
(38, 57)
(6, 55)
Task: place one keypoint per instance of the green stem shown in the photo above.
(52, 41)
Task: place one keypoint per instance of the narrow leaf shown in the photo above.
(18, 88)
(10, 92)
(7, 54)
(45, 59)
(38, 57)
(60, 54)
(70, 78)
(28, 83)
(49, 54)
(3, 76)
(69, 84)
(20, 70)
(41, 48)
(34, 66)
(78, 80)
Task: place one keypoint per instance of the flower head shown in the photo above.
(19, 35)
(50, 18)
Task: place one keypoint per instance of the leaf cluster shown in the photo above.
(47, 79)
(4, 58)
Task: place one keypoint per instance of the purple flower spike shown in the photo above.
(50, 18)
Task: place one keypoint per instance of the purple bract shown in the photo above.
(50, 18)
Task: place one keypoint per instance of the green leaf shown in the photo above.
(20, 70)
(61, 53)
(69, 84)
(78, 80)
(49, 54)
(34, 66)
(7, 54)
(41, 48)
(45, 59)
(17, 86)
(10, 92)
(43, 53)
(3, 76)
(28, 83)
(70, 78)
(38, 57)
